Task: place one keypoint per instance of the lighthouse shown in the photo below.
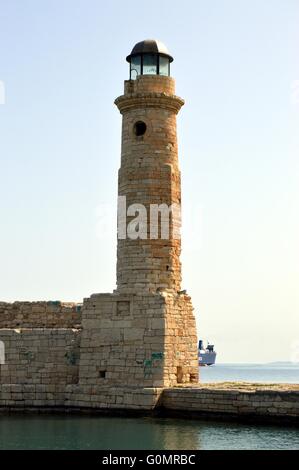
(142, 337)
(149, 174)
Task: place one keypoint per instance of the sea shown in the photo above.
(276, 372)
(73, 432)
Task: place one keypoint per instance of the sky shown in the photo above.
(62, 64)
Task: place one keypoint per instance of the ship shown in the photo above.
(206, 356)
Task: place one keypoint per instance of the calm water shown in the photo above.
(283, 373)
(84, 432)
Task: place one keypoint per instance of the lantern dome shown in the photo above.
(150, 46)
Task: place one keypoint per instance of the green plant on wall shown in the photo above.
(30, 356)
(157, 356)
(155, 361)
(71, 357)
(147, 368)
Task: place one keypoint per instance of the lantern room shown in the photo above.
(149, 57)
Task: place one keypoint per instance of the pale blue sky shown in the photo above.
(63, 64)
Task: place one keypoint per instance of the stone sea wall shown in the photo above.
(278, 402)
(121, 352)
(279, 405)
(116, 350)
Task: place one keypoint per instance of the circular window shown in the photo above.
(139, 128)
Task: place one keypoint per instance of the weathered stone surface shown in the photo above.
(51, 314)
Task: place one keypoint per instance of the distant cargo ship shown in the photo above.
(206, 356)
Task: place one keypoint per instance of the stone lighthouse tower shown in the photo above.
(149, 174)
(143, 336)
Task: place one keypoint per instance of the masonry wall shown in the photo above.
(144, 340)
(280, 403)
(52, 314)
(41, 352)
(123, 341)
(180, 350)
(118, 349)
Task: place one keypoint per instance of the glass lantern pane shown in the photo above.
(135, 66)
(163, 66)
(149, 64)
